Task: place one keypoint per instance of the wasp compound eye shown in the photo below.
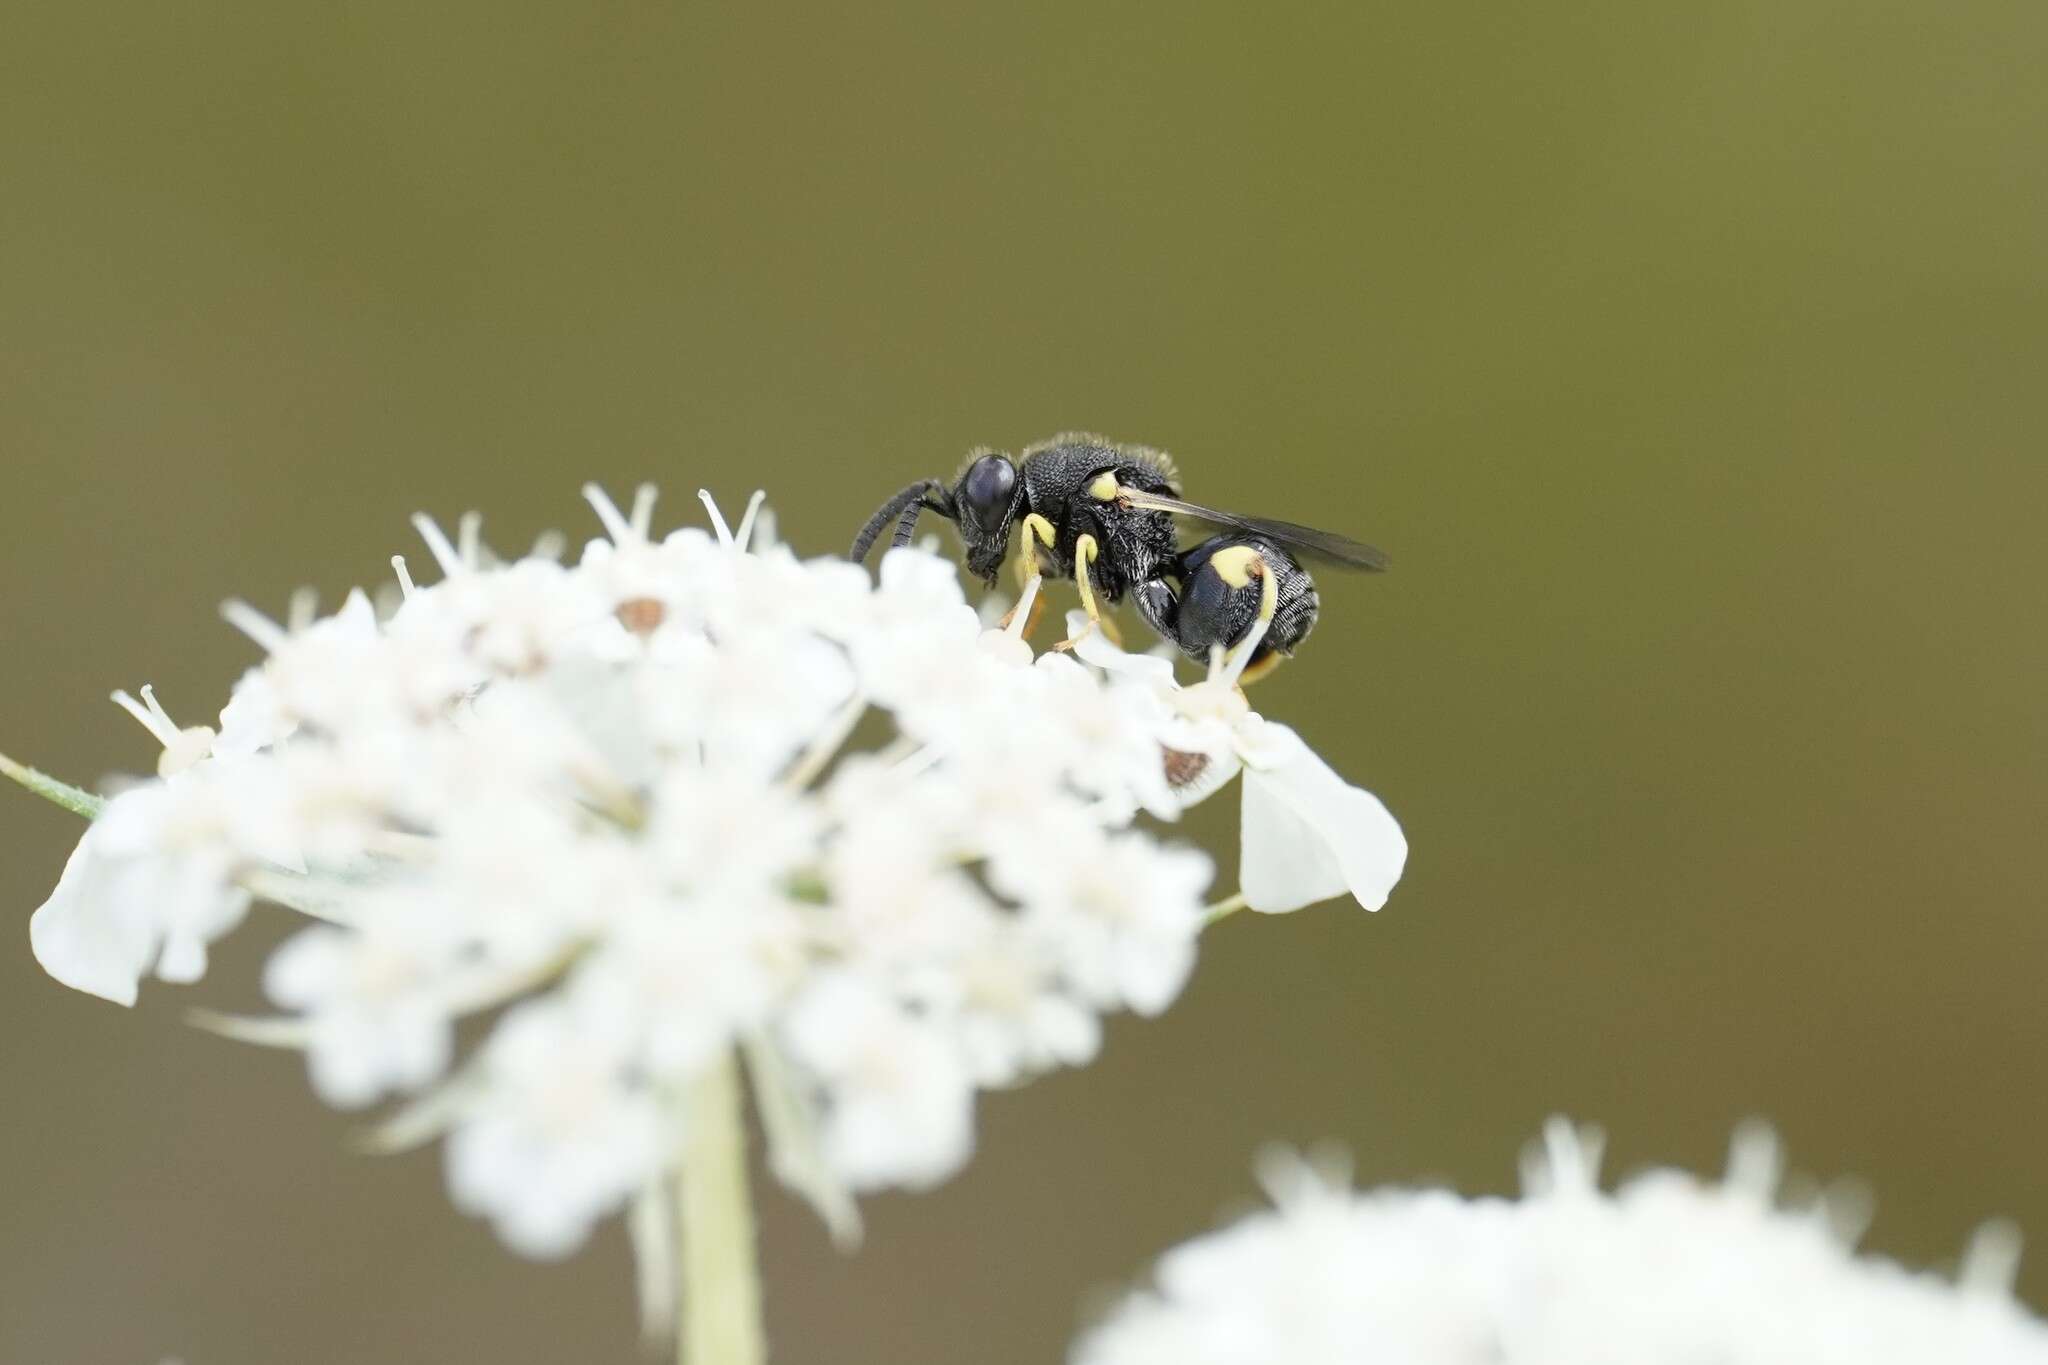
(985, 492)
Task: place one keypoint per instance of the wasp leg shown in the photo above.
(1026, 569)
(1159, 607)
(1263, 668)
(1238, 565)
(1037, 531)
(1086, 552)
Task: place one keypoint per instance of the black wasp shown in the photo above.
(1082, 499)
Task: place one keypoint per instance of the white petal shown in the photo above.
(912, 573)
(1094, 647)
(85, 937)
(1309, 835)
(343, 1070)
(183, 959)
(1151, 974)
(789, 1120)
(1000, 644)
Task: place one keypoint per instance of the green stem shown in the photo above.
(1224, 909)
(720, 1322)
(71, 798)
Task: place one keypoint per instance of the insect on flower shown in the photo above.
(625, 823)
(1088, 503)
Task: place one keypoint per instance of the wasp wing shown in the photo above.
(1324, 545)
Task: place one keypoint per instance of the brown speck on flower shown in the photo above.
(641, 615)
(1183, 767)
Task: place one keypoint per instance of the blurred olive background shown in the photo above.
(1688, 359)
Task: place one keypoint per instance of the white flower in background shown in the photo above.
(617, 801)
(1668, 1270)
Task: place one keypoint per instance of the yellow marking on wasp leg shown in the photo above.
(1038, 529)
(1085, 553)
(1038, 532)
(1104, 489)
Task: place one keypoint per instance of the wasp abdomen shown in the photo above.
(1221, 594)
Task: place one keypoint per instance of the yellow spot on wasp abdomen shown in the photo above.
(1236, 564)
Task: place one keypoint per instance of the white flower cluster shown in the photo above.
(684, 797)
(1669, 1270)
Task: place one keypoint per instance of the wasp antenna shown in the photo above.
(906, 525)
(905, 504)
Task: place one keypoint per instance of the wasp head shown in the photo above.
(986, 501)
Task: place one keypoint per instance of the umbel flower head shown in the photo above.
(1667, 1270)
(688, 797)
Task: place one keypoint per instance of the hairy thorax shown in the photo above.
(1134, 545)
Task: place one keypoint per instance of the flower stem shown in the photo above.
(71, 798)
(720, 1323)
(1223, 909)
